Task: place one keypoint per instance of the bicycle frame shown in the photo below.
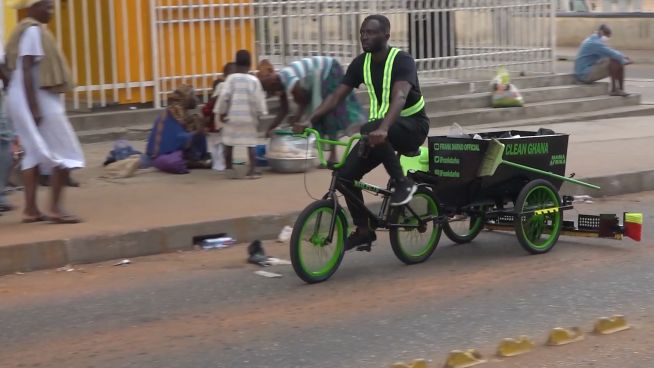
(337, 184)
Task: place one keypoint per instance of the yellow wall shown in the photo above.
(9, 21)
(130, 71)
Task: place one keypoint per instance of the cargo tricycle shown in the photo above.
(504, 180)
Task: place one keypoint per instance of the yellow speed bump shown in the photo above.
(513, 347)
(609, 325)
(562, 336)
(419, 363)
(463, 359)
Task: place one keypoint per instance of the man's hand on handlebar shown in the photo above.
(377, 137)
(298, 127)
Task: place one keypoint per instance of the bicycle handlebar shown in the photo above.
(320, 141)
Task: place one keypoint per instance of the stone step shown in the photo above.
(531, 111)
(141, 132)
(530, 95)
(126, 118)
(616, 112)
(444, 90)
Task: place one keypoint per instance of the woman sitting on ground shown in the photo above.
(176, 129)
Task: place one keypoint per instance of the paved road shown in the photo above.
(208, 309)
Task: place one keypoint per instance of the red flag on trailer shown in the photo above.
(633, 225)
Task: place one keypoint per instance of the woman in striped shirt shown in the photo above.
(308, 82)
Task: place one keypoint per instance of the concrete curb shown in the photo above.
(612, 185)
(27, 257)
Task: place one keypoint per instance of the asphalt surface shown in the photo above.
(208, 308)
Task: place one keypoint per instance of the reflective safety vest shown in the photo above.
(379, 110)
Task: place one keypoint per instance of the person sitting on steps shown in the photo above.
(595, 61)
(397, 118)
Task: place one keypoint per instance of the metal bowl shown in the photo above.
(292, 165)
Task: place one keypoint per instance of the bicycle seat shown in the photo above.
(415, 153)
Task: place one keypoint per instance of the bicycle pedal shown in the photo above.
(364, 248)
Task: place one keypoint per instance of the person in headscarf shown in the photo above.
(176, 129)
(308, 82)
(40, 74)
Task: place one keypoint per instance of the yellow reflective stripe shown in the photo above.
(367, 79)
(378, 111)
(414, 109)
(386, 85)
(546, 210)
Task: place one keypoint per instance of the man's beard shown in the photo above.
(377, 47)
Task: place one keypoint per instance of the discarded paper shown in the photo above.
(271, 275)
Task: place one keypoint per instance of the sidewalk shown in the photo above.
(155, 212)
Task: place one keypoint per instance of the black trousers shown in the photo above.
(405, 135)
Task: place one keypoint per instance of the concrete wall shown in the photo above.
(632, 33)
(645, 5)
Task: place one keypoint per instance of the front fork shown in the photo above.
(331, 194)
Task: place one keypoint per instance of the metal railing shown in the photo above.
(452, 39)
(137, 51)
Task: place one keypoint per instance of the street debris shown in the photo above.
(271, 275)
(217, 243)
(256, 255)
(285, 234)
(272, 261)
(67, 268)
(582, 199)
(124, 262)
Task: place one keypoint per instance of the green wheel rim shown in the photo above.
(317, 258)
(476, 225)
(426, 207)
(535, 226)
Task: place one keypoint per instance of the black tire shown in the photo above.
(466, 236)
(538, 195)
(424, 203)
(301, 248)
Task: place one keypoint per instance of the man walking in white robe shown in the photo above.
(39, 75)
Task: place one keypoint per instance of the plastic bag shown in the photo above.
(456, 131)
(505, 94)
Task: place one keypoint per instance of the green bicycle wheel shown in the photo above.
(539, 220)
(413, 245)
(313, 259)
(465, 229)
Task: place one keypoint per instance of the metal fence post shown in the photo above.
(284, 39)
(321, 30)
(155, 54)
(552, 24)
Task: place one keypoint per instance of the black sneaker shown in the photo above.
(403, 193)
(357, 239)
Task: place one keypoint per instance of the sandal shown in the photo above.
(65, 219)
(31, 220)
